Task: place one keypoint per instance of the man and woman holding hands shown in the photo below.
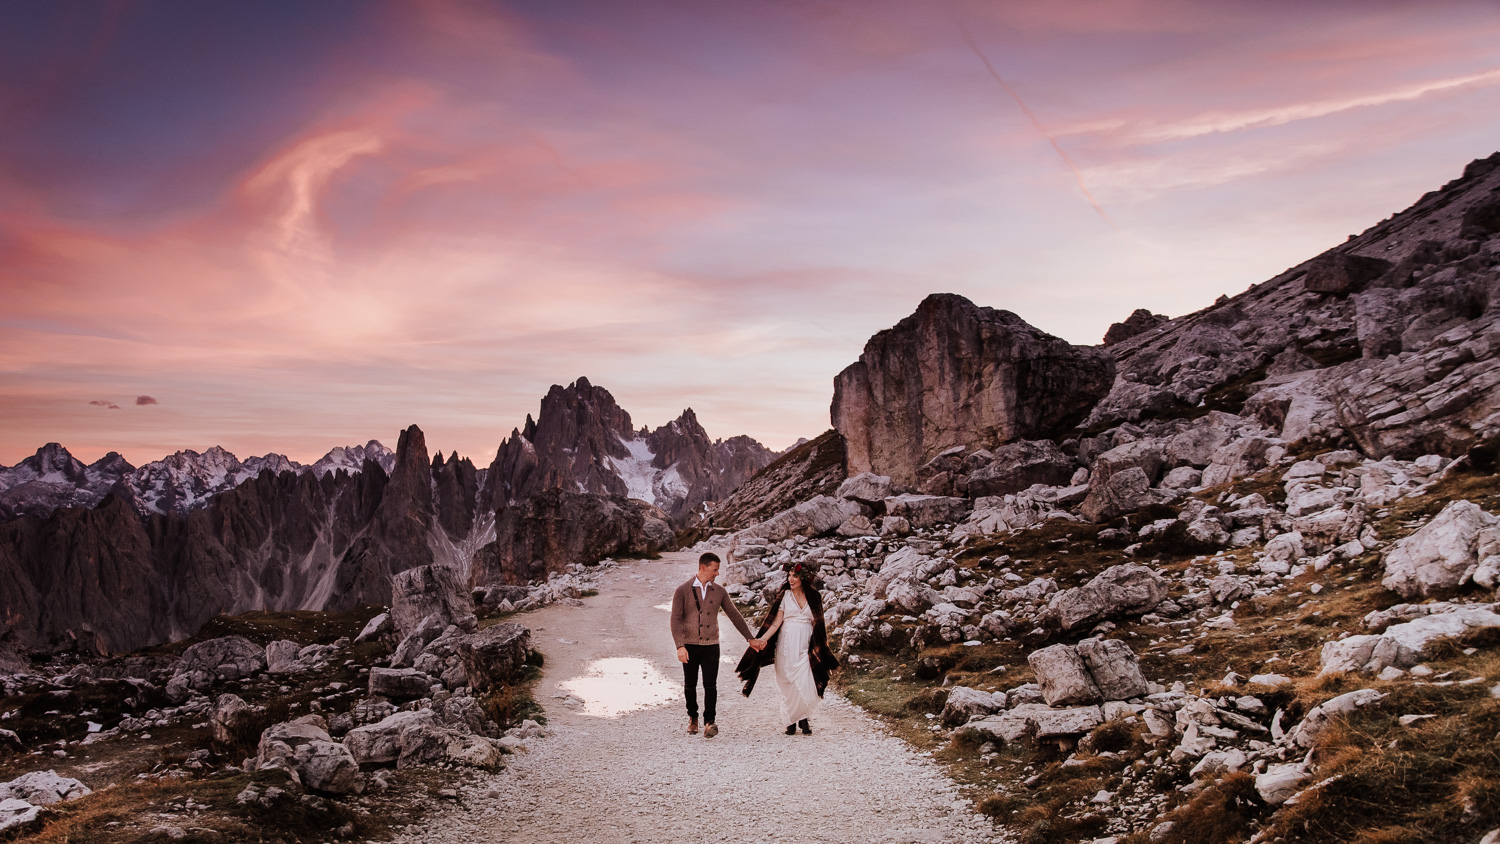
(792, 637)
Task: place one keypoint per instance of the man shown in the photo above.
(695, 631)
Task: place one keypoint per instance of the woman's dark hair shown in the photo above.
(806, 571)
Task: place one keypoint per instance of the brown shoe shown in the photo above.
(710, 730)
(693, 726)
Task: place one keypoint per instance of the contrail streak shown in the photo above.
(1077, 174)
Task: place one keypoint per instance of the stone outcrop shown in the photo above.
(1020, 465)
(1445, 554)
(436, 592)
(1117, 591)
(203, 664)
(554, 529)
(1139, 322)
(808, 469)
(956, 374)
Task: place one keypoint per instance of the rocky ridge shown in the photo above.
(53, 479)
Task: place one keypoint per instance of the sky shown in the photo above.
(283, 227)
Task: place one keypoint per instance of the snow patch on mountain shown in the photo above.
(636, 470)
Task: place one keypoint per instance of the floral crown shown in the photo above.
(803, 570)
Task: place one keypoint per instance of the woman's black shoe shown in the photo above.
(791, 729)
(806, 727)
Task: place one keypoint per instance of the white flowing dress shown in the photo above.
(794, 677)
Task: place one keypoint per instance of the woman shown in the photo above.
(797, 643)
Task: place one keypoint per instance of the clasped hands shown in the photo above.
(758, 644)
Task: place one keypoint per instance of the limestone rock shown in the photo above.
(281, 657)
(43, 788)
(925, 511)
(375, 628)
(965, 704)
(1114, 667)
(381, 742)
(279, 743)
(866, 487)
(433, 590)
(329, 767)
(1280, 782)
(1321, 716)
(1129, 589)
(214, 660)
(1020, 465)
(957, 374)
(230, 714)
(1063, 676)
(495, 655)
(1444, 554)
(400, 683)
(1115, 493)
(1403, 645)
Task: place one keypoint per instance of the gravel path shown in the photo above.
(600, 775)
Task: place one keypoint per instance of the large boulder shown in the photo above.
(1404, 645)
(43, 788)
(281, 657)
(1129, 589)
(813, 517)
(279, 743)
(425, 591)
(495, 655)
(400, 683)
(329, 767)
(965, 704)
(381, 742)
(1444, 554)
(1020, 465)
(1063, 676)
(1114, 493)
(956, 374)
(866, 487)
(1114, 667)
(413, 738)
(214, 660)
(230, 714)
(1095, 670)
(926, 511)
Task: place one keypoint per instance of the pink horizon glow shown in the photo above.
(439, 209)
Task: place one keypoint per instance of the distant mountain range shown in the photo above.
(54, 478)
(582, 441)
(112, 557)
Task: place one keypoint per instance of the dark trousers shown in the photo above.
(706, 658)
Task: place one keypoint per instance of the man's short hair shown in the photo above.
(708, 559)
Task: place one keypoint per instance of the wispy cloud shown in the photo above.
(1149, 130)
(109, 405)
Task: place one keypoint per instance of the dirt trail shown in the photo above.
(637, 776)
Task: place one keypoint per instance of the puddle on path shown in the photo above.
(612, 687)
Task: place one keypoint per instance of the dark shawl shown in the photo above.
(821, 659)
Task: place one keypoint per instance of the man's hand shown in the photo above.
(682, 655)
(758, 644)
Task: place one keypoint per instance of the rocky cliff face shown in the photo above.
(583, 441)
(954, 374)
(808, 470)
(1387, 342)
